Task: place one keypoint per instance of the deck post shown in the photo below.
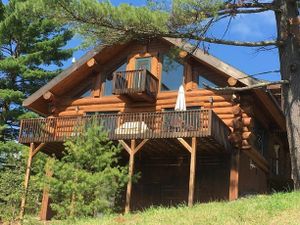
(192, 173)
(234, 175)
(45, 213)
(26, 182)
(129, 184)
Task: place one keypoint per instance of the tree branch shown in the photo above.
(140, 34)
(247, 88)
(226, 42)
(254, 4)
(241, 11)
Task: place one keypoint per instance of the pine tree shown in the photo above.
(29, 45)
(87, 179)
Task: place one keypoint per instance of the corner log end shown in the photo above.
(49, 96)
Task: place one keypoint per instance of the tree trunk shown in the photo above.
(289, 54)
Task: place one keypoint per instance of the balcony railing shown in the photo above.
(134, 82)
(147, 125)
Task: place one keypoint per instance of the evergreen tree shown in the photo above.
(87, 179)
(29, 44)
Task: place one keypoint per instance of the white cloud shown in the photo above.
(254, 26)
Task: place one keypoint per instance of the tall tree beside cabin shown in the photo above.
(191, 20)
(28, 45)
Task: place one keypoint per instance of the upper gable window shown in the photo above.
(108, 85)
(202, 80)
(172, 74)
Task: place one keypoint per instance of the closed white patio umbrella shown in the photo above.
(180, 101)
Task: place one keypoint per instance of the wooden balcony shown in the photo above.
(126, 126)
(138, 85)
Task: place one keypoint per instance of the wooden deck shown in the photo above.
(127, 126)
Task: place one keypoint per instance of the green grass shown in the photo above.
(276, 209)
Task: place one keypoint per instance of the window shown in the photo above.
(143, 63)
(202, 79)
(108, 86)
(262, 138)
(172, 74)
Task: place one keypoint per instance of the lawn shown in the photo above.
(277, 209)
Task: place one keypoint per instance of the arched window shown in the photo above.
(172, 74)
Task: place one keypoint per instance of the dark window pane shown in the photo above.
(143, 63)
(108, 87)
(172, 74)
(202, 80)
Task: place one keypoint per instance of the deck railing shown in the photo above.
(135, 81)
(150, 125)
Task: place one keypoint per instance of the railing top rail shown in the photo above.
(130, 71)
(121, 114)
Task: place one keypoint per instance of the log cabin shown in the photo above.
(224, 145)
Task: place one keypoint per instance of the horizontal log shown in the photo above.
(217, 104)
(224, 110)
(225, 116)
(194, 92)
(248, 122)
(101, 107)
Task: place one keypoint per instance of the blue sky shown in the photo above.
(246, 27)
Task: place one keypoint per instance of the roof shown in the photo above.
(34, 100)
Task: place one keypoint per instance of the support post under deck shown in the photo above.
(193, 151)
(132, 150)
(26, 182)
(45, 213)
(129, 184)
(192, 173)
(234, 175)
